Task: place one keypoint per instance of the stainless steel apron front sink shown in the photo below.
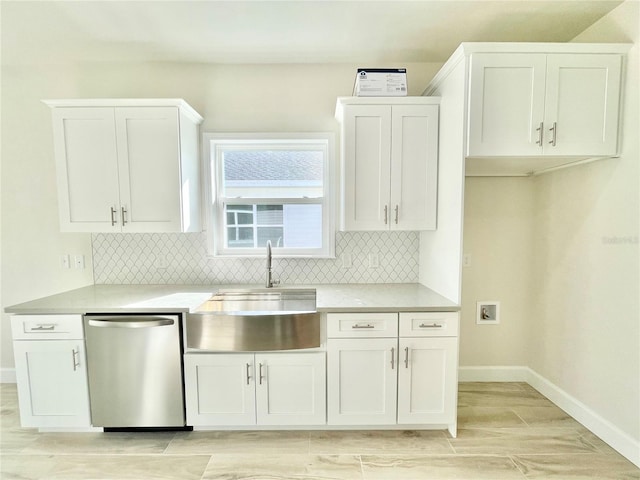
(255, 320)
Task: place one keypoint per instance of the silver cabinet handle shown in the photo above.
(393, 358)
(76, 359)
(397, 208)
(554, 131)
(131, 323)
(540, 129)
(42, 327)
(368, 325)
(124, 218)
(432, 325)
(406, 357)
(113, 216)
(260, 374)
(248, 373)
(386, 214)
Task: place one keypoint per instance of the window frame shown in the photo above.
(214, 222)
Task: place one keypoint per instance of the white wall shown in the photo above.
(498, 236)
(586, 338)
(241, 98)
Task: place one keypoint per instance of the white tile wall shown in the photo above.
(133, 259)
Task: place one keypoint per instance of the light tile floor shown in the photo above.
(506, 431)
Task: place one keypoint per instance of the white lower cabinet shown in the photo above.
(362, 381)
(407, 377)
(428, 372)
(427, 380)
(51, 371)
(255, 389)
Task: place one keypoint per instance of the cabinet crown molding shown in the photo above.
(414, 100)
(187, 109)
(465, 49)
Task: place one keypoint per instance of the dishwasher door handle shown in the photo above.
(128, 323)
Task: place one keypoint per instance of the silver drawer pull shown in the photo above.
(368, 325)
(76, 359)
(44, 327)
(433, 325)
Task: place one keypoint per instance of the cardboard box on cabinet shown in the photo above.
(381, 82)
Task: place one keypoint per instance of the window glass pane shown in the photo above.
(269, 215)
(275, 234)
(239, 214)
(272, 173)
(240, 237)
(303, 226)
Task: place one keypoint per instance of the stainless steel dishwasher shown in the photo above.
(135, 370)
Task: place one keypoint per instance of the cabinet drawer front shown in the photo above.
(429, 324)
(35, 327)
(346, 325)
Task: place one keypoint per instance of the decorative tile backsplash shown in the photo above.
(181, 258)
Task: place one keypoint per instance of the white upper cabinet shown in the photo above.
(528, 104)
(389, 163)
(127, 165)
(518, 109)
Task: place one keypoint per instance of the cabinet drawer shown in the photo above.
(346, 325)
(429, 324)
(41, 327)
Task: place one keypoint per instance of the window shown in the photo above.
(264, 188)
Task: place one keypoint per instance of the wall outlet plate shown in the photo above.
(487, 312)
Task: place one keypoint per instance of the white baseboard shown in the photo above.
(7, 375)
(609, 433)
(620, 441)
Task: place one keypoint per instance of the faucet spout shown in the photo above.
(269, 282)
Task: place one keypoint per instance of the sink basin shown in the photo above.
(255, 320)
(267, 301)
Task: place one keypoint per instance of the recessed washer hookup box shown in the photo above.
(381, 82)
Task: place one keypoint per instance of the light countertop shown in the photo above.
(185, 298)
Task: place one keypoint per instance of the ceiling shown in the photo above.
(297, 31)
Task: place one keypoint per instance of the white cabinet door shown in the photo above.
(582, 104)
(127, 168)
(414, 167)
(219, 389)
(52, 383)
(366, 167)
(389, 166)
(290, 389)
(85, 151)
(506, 104)
(362, 381)
(427, 380)
(537, 104)
(149, 169)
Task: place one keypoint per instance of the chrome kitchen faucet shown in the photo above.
(270, 281)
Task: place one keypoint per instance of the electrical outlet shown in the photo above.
(374, 260)
(487, 312)
(466, 260)
(347, 261)
(65, 262)
(78, 261)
